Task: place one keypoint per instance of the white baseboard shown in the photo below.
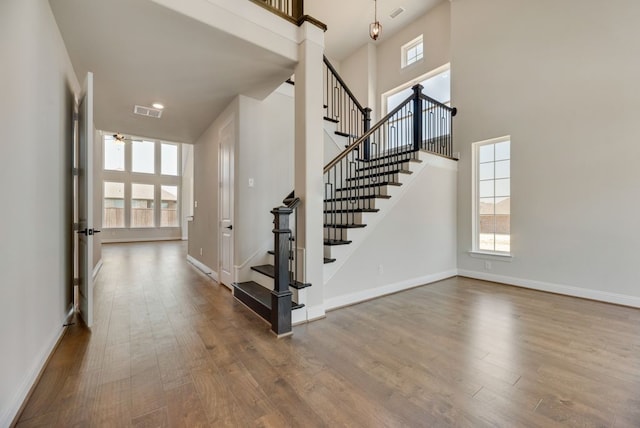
(203, 268)
(23, 392)
(567, 290)
(96, 269)
(134, 240)
(362, 296)
(316, 312)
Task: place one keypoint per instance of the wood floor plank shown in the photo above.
(170, 348)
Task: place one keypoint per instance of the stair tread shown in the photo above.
(345, 226)
(329, 119)
(261, 294)
(345, 134)
(358, 197)
(336, 242)
(364, 186)
(269, 270)
(379, 174)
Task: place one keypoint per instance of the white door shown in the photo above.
(226, 204)
(84, 201)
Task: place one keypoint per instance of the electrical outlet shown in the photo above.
(195, 204)
(251, 182)
(200, 251)
(380, 269)
(487, 265)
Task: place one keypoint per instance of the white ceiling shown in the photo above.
(348, 21)
(141, 53)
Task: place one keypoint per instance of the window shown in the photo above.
(142, 205)
(169, 159)
(437, 84)
(492, 200)
(143, 157)
(141, 187)
(169, 206)
(113, 154)
(113, 205)
(412, 52)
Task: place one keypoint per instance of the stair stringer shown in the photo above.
(343, 253)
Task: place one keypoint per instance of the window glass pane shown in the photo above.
(486, 188)
(113, 205)
(113, 154)
(486, 153)
(169, 206)
(503, 187)
(142, 205)
(494, 202)
(143, 157)
(487, 206)
(169, 159)
(486, 171)
(486, 242)
(502, 169)
(503, 150)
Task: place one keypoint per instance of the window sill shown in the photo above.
(505, 257)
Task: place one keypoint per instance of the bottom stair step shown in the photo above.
(257, 298)
(269, 270)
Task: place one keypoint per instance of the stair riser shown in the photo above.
(369, 191)
(338, 234)
(344, 218)
(353, 204)
(267, 282)
(369, 169)
(396, 178)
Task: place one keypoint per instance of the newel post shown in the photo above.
(298, 9)
(281, 295)
(417, 117)
(367, 127)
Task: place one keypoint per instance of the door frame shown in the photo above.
(83, 170)
(227, 125)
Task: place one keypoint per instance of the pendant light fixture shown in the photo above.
(375, 28)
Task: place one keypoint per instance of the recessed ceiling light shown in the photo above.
(158, 106)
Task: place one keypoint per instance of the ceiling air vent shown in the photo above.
(396, 12)
(148, 112)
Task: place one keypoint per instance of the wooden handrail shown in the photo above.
(344, 85)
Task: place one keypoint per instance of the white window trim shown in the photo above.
(411, 83)
(475, 190)
(407, 46)
(156, 179)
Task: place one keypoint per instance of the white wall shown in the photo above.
(359, 71)
(37, 87)
(265, 154)
(203, 230)
(435, 27)
(187, 188)
(413, 244)
(561, 79)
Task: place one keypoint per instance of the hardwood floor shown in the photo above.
(172, 348)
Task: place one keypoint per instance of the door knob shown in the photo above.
(230, 227)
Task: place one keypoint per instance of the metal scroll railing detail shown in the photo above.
(372, 163)
(341, 106)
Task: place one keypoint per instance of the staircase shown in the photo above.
(375, 160)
